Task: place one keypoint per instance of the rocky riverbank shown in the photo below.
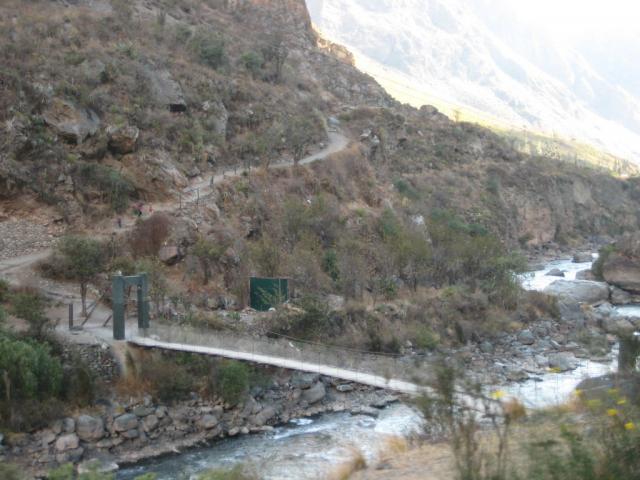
(119, 432)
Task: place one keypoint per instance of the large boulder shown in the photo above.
(623, 272)
(579, 291)
(123, 140)
(314, 394)
(125, 422)
(582, 258)
(217, 116)
(166, 91)
(67, 442)
(72, 124)
(89, 428)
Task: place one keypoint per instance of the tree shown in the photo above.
(208, 252)
(299, 135)
(275, 52)
(82, 259)
(158, 286)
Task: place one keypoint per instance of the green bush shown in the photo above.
(32, 372)
(425, 338)
(252, 62)
(233, 381)
(29, 305)
(210, 49)
(168, 381)
(116, 189)
(4, 290)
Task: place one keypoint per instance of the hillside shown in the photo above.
(493, 61)
(109, 106)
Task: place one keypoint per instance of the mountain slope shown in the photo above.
(477, 54)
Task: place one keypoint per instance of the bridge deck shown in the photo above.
(335, 372)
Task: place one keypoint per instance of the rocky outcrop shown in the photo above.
(123, 140)
(579, 291)
(166, 91)
(623, 272)
(71, 123)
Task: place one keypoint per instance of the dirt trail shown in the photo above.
(21, 269)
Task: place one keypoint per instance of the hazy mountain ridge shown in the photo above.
(479, 54)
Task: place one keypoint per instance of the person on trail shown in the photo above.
(119, 222)
(150, 209)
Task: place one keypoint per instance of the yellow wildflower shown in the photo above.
(613, 392)
(497, 395)
(622, 401)
(578, 392)
(629, 426)
(612, 412)
(555, 370)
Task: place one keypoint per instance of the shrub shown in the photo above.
(252, 62)
(4, 290)
(233, 381)
(425, 338)
(169, 382)
(210, 49)
(148, 236)
(114, 187)
(29, 305)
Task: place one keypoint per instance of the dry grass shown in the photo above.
(344, 471)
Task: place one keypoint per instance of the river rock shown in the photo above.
(125, 422)
(72, 124)
(563, 361)
(264, 416)
(67, 442)
(620, 297)
(623, 272)
(150, 423)
(89, 428)
(142, 411)
(582, 258)
(526, 337)
(556, 272)
(585, 275)
(314, 394)
(70, 456)
(68, 425)
(207, 422)
(130, 434)
(579, 291)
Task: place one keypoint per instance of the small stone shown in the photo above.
(345, 387)
(555, 272)
(486, 347)
(233, 432)
(264, 416)
(526, 337)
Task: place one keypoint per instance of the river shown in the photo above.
(312, 448)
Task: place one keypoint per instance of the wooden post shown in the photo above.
(71, 316)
